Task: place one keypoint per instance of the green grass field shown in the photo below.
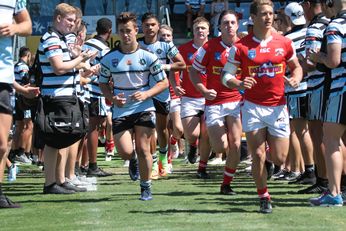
(181, 202)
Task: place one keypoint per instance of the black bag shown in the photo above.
(61, 120)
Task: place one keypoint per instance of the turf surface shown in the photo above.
(181, 202)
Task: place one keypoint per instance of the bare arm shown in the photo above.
(22, 25)
(178, 90)
(195, 78)
(177, 65)
(296, 73)
(332, 58)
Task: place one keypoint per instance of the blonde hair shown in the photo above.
(257, 3)
(63, 9)
(166, 27)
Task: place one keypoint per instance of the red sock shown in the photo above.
(228, 175)
(202, 166)
(263, 193)
(173, 140)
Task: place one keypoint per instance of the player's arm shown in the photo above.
(195, 77)
(177, 64)
(22, 25)
(228, 78)
(296, 73)
(178, 90)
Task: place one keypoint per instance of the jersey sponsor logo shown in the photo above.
(156, 68)
(279, 52)
(217, 70)
(172, 53)
(264, 50)
(217, 56)
(142, 62)
(129, 62)
(266, 70)
(251, 54)
(105, 71)
(115, 62)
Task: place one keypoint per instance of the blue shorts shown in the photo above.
(336, 109)
(296, 107)
(315, 101)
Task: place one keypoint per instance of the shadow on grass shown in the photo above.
(193, 211)
(62, 200)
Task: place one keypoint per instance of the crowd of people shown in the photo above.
(282, 83)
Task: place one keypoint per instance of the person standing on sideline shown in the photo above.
(334, 120)
(14, 20)
(262, 58)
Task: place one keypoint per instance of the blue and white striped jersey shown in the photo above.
(195, 4)
(8, 8)
(131, 73)
(102, 47)
(166, 51)
(336, 34)
(313, 42)
(297, 35)
(53, 44)
(21, 72)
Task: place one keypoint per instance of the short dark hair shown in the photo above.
(225, 12)
(23, 51)
(103, 25)
(147, 16)
(125, 17)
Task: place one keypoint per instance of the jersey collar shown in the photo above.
(263, 43)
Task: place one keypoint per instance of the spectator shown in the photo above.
(194, 8)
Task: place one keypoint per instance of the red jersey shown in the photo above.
(211, 59)
(266, 61)
(188, 51)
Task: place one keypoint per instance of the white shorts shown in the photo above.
(215, 114)
(175, 105)
(275, 119)
(191, 107)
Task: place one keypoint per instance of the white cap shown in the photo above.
(296, 13)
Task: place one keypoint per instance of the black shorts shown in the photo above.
(144, 119)
(21, 114)
(161, 107)
(97, 108)
(6, 92)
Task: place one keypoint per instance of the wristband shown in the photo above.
(166, 67)
(227, 76)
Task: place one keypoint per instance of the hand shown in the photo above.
(96, 69)
(75, 49)
(210, 94)
(179, 91)
(119, 100)
(292, 82)
(248, 82)
(7, 30)
(139, 96)
(30, 92)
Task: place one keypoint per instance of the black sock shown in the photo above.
(1, 193)
(277, 168)
(343, 180)
(323, 182)
(309, 168)
(188, 29)
(19, 151)
(93, 166)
